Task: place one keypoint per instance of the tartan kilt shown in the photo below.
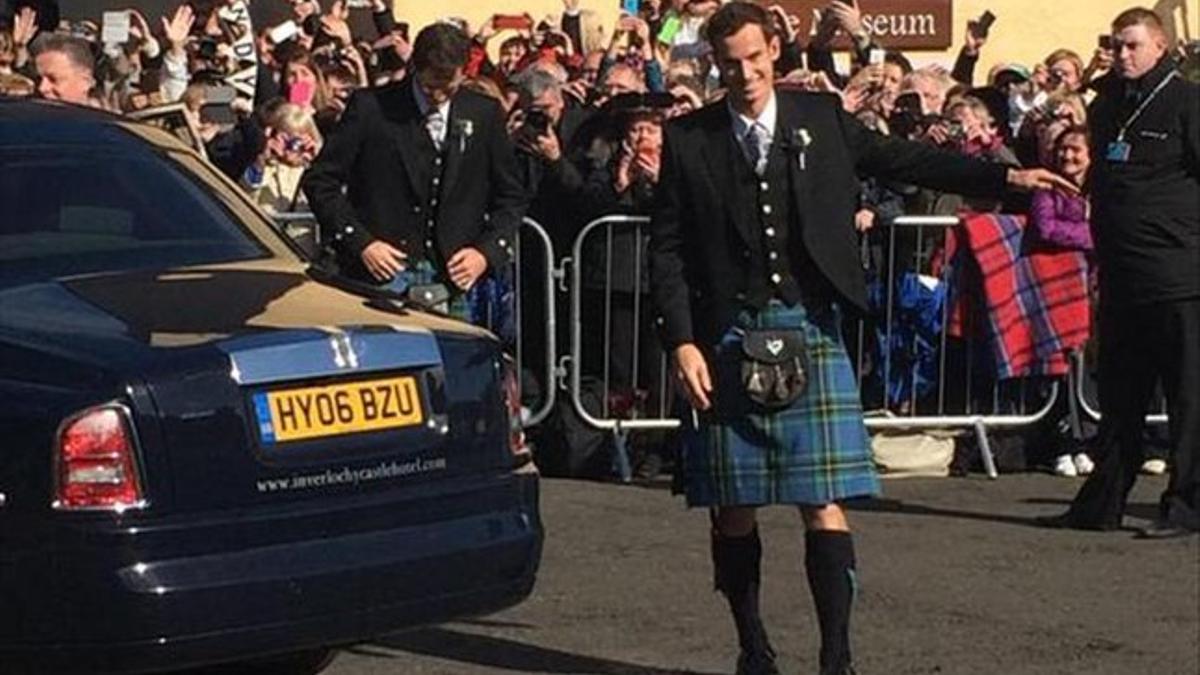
(815, 452)
(488, 304)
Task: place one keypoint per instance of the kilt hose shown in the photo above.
(815, 452)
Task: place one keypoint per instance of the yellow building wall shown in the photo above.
(1025, 30)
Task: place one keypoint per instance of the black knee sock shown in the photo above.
(736, 573)
(829, 561)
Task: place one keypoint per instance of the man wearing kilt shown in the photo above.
(753, 242)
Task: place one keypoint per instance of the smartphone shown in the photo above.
(402, 29)
(284, 32)
(512, 22)
(876, 57)
(983, 25)
(631, 7)
(955, 130)
(302, 93)
(1105, 42)
(114, 29)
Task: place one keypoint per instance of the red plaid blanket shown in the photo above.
(1035, 303)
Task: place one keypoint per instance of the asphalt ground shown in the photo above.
(955, 579)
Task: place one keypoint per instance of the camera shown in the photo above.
(537, 119)
(206, 49)
(536, 123)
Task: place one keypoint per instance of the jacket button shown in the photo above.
(745, 253)
(766, 209)
(770, 232)
(776, 278)
(416, 209)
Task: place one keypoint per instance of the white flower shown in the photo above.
(463, 129)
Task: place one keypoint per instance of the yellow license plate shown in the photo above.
(332, 410)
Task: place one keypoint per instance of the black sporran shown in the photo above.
(774, 367)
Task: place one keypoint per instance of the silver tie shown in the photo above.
(436, 125)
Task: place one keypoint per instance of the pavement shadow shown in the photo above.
(899, 506)
(1145, 511)
(497, 652)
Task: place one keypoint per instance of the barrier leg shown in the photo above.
(985, 450)
(621, 455)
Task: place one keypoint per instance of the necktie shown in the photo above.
(436, 125)
(758, 145)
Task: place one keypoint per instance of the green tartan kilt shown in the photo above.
(815, 452)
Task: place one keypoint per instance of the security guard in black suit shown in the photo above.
(420, 173)
(1145, 126)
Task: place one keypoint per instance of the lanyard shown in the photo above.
(1145, 102)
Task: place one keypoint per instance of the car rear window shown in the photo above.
(85, 213)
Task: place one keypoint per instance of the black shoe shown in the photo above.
(1179, 521)
(1069, 521)
(760, 662)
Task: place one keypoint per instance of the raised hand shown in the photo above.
(178, 27)
(24, 26)
(336, 23)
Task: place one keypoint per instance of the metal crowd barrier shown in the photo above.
(604, 241)
(1091, 408)
(602, 419)
(301, 228)
(532, 231)
(1010, 403)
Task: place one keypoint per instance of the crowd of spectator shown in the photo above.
(586, 102)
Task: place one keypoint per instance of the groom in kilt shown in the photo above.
(753, 257)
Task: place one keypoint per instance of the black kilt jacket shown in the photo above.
(380, 177)
(705, 234)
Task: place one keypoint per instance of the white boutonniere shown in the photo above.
(798, 142)
(463, 130)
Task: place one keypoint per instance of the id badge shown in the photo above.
(1118, 151)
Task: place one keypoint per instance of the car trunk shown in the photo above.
(311, 394)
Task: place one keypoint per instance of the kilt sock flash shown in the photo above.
(829, 561)
(736, 573)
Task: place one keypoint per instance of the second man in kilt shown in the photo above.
(753, 230)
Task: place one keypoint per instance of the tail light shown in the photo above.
(96, 466)
(512, 401)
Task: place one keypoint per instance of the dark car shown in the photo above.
(205, 454)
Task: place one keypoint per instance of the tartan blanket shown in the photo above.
(1035, 303)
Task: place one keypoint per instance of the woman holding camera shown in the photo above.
(293, 141)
